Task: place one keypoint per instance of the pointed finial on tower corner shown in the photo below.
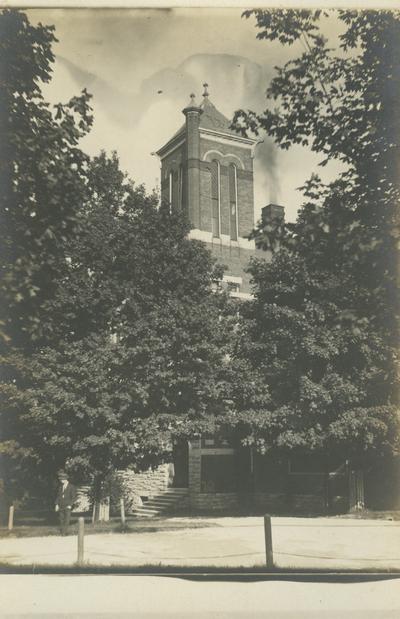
(192, 105)
(205, 93)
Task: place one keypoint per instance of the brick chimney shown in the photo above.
(272, 212)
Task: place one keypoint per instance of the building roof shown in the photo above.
(211, 119)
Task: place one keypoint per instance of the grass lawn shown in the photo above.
(204, 571)
(132, 525)
(36, 527)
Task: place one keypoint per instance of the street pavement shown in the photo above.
(116, 597)
(327, 543)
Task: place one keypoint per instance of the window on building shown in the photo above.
(180, 182)
(233, 202)
(231, 283)
(216, 197)
(233, 287)
(218, 473)
(170, 189)
(216, 285)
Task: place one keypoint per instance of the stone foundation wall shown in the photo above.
(213, 501)
(296, 503)
(307, 503)
(271, 502)
(274, 503)
(135, 485)
(148, 483)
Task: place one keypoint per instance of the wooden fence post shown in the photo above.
(81, 532)
(122, 511)
(268, 541)
(11, 518)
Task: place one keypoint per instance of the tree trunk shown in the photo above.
(101, 504)
(356, 490)
(101, 510)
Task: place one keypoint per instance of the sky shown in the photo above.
(125, 57)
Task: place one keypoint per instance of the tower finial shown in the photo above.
(192, 105)
(205, 93)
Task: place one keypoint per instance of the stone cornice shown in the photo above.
(172, 144)
(227, 138)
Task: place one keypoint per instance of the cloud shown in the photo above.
(137, 122)
(125, 57)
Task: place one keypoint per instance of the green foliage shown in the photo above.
(42, 188)
(342, 104)
(42, 175)
(74, 412)
(328, 373)
(126, 260)
(135, 344)
(114, 342)
(323, 329)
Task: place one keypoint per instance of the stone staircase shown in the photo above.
(166, 501)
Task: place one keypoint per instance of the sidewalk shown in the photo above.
(326, 543)
(123, 597)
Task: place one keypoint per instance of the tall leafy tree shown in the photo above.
(42, 176)
(137, 345)
(113, 338)
(42, 188)
(323, 328)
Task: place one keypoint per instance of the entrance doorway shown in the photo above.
(181, 465)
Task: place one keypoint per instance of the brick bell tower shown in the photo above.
(207, 171)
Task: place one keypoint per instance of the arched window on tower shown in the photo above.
(170, 189)
(216, 198)
(233, 202)
(180, 181)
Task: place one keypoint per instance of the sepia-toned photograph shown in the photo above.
(199, 329)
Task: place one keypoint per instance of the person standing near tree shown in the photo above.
(66, 497)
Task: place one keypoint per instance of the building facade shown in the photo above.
(207, 172)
